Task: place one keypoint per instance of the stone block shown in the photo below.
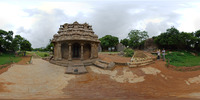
(111, 65)
(100, 65)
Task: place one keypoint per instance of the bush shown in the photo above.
(129, 52)
(45, 55)
(198, 54)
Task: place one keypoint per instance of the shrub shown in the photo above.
(45, 55)
(198, 54)
(129, 52)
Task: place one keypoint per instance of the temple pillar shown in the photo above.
(70, 49)
(59, 52)
(82, 51)
(92, 45)
(97, 51)
(55, 51)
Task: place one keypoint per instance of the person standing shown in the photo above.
(158, 53)
(163, 54)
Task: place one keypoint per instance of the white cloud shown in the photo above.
(69, 8)
(39, 20)
(190, 18)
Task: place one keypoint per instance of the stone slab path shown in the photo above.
(76, 68)
(38, 80)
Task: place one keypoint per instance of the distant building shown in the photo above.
(120, 47)
(149, 45)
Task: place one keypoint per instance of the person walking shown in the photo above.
(158, 53)
(163, 54)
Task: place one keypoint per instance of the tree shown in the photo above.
(5, 40)
(136, 38)
(186, 41)
(25, 45)
(108, 41)
(49, 46)
(175, 40)
(20, 43)
(169, 39)
(197, 44)
(124, 42)
(197, 33)
(16, 43)
(7, 43)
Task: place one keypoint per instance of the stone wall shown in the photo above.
(120, 47)
(149, 45)
(95, 50)
(87, 51)
(65, 50)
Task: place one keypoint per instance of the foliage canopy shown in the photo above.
(174, 40)
(8, 43)
(109, 41)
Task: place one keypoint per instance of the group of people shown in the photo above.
(163, 54)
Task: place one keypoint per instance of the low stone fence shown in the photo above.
(141, 58)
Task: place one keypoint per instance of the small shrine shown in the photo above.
(75, 42)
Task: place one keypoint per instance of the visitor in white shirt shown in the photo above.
(163, 54)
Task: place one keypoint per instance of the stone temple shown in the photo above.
(75, 46)
(75, 42)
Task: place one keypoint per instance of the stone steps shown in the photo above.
(104, 65)
(138, 62)
(65, 63)
(141, 64)
(60, 63)
(76, 68)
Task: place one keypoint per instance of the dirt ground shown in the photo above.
(42, 80)
(114, 58)
(24, 61)
(149, 82)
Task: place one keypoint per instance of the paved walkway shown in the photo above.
(38, 80)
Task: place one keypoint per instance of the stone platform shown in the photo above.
(141, 58)
(104, 65)
(76, 68)
(66, 63)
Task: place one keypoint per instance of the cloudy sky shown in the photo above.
(39, 20)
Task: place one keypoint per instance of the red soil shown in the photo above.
(114, 58)
(100, 86)
(24, 60)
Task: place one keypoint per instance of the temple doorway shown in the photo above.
(76, 50)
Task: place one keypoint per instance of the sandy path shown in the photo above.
(38, 80)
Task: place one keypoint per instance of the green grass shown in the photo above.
(39, 53)
(183, 59)
(42, 54)
(30, 52)
(8, 58)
